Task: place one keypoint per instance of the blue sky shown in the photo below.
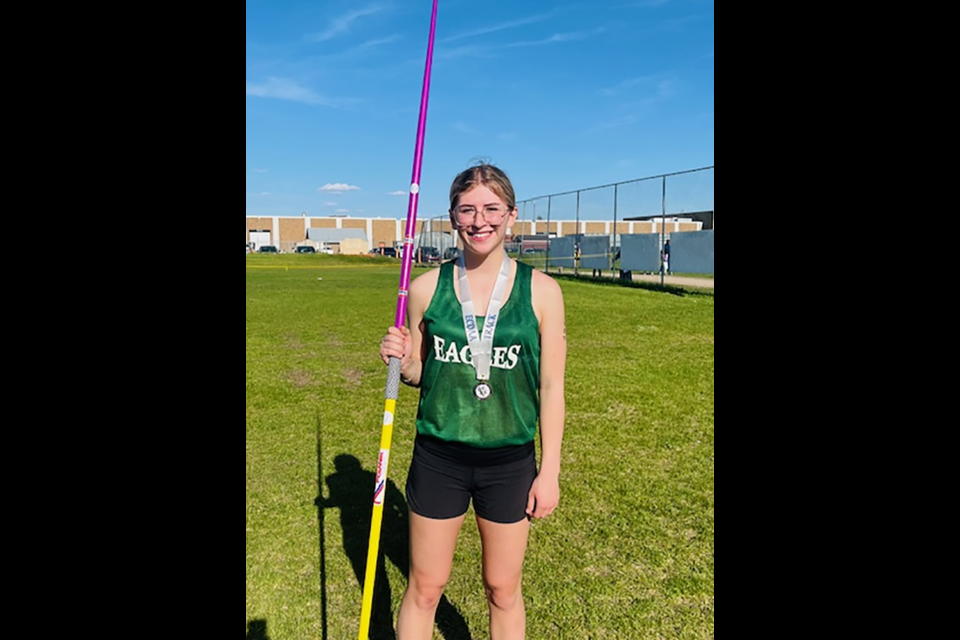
(561, 95)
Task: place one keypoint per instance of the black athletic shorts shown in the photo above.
(445, 476)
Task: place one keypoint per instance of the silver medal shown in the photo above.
(482, 391)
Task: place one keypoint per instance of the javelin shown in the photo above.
(393, 368)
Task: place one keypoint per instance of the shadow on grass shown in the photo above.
(633, 284)
(257, 630)
(351, 491)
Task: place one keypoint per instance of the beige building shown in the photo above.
(285, 232)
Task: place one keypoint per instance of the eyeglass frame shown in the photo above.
(473, 218)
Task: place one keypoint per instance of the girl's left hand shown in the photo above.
(543, 498)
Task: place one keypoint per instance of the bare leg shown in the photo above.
(504, 546)
(432, 544)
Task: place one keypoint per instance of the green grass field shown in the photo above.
(628, 554)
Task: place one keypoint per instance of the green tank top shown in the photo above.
(448, 410)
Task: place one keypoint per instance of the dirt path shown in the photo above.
(705, 283)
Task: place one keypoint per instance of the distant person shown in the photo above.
(665, 265)
(576, 256)
(485, 342)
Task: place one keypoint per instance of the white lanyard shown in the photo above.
(481, 347)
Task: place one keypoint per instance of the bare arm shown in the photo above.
(548, 304)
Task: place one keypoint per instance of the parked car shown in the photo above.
(267, 248)
(534, 251)
(429, 254)
(305, 248)
(451, 253)
(390, 252)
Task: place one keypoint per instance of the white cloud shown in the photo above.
(285, 89)
(341, 24)
(658, 87)
(666, 88)
(558, 37)
(626, 84)
(376, 43)
(463, 127)
(397, 193)
(613, 123)
(499, 27)
(338, 187)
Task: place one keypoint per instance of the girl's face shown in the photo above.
(482, 219)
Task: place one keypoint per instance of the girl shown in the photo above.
(485, 342)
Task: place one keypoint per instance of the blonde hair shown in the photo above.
(487, 175)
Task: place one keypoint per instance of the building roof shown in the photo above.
(705, 217)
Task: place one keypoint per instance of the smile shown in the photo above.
(481, 235)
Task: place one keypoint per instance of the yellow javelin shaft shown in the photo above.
(380, 490)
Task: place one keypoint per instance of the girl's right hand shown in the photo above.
(396, 343)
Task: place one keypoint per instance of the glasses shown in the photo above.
(492, 213)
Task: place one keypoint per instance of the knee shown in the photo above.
(504, 596)
(424, 595)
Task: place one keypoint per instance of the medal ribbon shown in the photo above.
(481, 347)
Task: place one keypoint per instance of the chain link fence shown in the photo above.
(623, 227)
